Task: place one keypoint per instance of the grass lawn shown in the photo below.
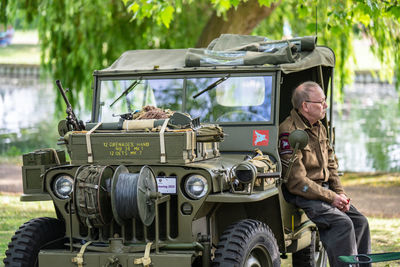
(385, 232)
(385, 237)
(14, 213)
(24, 49)
(371, 179)
(20, 54)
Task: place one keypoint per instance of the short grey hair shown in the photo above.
(301, 93)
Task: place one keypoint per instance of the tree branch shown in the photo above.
(238, 21)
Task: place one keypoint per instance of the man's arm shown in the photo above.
(298, 182)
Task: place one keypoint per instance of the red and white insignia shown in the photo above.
(260, 137)
(285, 144)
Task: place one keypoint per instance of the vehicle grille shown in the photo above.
(134, 231)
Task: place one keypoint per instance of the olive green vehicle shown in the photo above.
(179, 164)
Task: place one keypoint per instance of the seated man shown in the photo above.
(313, 183)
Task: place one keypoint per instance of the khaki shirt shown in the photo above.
(315, 164)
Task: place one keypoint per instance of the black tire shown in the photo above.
(247, 243)
(27, 241)
(312, 256)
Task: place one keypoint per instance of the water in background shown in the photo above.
(367, 127)
(26, 111)
(367, 124)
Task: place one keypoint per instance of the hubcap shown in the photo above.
(252, 261)
(258, 257)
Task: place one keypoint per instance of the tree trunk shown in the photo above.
(238, 21)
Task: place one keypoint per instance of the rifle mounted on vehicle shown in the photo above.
(72, 121)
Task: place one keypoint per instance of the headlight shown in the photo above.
(196, 186)
(63, 186)
(246, 172)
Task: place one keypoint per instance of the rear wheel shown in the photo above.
(247, 243)
(32, 236)
(312, 256)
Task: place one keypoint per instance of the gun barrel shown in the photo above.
(60, 87)
(72, 120)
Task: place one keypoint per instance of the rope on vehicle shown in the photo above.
(145, 260)
(79, 257)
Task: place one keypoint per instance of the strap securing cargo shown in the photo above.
(163, 156)
(191, 143)
(145, 260)
(89, 144)
(79, 257)
(215, 148)
(204, 153)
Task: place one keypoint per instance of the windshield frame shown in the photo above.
(96, 108)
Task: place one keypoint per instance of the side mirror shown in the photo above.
(299, 137)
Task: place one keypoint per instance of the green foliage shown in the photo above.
(75, 38)
(80, 36)
(19, 14)
(3, 15)
(339, 23)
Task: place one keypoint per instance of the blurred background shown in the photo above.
(366, 118)
(41, 41)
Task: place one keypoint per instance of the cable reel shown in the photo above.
(133, 195)
(91, 195)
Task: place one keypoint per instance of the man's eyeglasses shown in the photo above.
(322, 102)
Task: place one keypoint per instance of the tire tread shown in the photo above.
(29, 238)
(236, 236)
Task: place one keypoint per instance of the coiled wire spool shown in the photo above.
(91, 195)
(131, 195)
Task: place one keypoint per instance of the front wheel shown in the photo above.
(247, 243)
(312, 256)
(27, 241)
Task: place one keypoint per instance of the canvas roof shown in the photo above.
(228, 51)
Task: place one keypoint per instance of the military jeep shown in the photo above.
(179, 164)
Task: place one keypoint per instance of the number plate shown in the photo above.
(166, 185)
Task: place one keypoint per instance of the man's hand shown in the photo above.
(341, 202)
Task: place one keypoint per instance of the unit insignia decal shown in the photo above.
(260, 137)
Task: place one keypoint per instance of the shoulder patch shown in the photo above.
(284, 144)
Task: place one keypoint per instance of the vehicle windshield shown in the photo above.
(235, 99)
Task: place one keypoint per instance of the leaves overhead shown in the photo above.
(79, 36)
(339, 24)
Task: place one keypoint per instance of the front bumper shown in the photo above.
(62, 258)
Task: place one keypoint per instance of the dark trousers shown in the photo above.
(342, 234)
